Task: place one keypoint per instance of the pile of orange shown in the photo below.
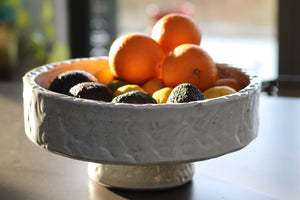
(170, 56)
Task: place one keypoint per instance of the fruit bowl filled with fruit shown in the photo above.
(145, 113)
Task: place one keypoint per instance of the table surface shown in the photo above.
(268, 168)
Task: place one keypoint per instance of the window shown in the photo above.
(260, 35)
(241, 33)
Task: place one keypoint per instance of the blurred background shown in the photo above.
(32, 33)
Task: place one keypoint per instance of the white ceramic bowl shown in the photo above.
(133, 134)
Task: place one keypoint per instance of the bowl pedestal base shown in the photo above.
(152, 177)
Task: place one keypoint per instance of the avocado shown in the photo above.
(91, 90)
(64, 81)
(137, 97)
(185, 92)
(115, 84)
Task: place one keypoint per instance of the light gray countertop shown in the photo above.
(268, 168)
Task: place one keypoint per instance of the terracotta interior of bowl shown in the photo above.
(226, 71)
(91, 65)
(94, 65)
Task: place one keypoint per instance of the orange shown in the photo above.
(162, 95)
(153, 85)
(90, 65)
(105, 76)
(218, 91)
(189, 63)
(173, 30)
(233, 83)
(136, 58)
(128, 88)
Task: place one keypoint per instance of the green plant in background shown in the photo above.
(47, 19)
(47, 48)
(10, 22)
(8, 11)
(35, 37)
(32, 47)
(58, 50)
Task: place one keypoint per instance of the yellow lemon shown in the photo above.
(162, 95)
(128, 88)
(153, 85)
(218, 91)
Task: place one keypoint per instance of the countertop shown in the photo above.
(268, 168)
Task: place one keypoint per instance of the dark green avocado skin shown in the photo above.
(136, 97)
(66, 80)
(91, 90)
(185, 92)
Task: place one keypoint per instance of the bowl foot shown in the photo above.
(156, 177)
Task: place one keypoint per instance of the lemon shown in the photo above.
(218, 91)
(153, 85)
(162, 95)
(127, 88)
